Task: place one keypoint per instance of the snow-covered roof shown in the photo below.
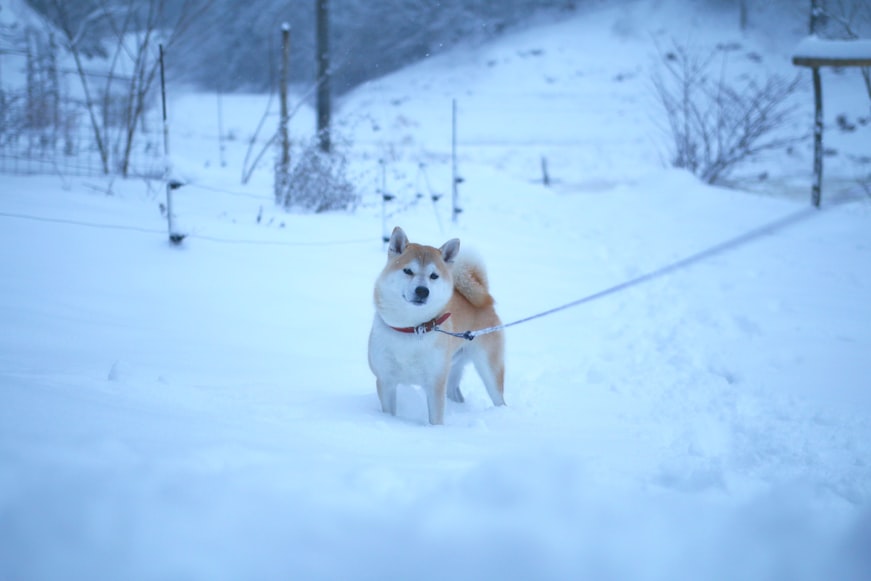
(813, 51)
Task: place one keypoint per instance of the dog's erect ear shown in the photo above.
(450, 249)
(397, 244)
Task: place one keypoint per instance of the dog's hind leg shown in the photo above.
(387, 395)
(491, 368)
(458, 364)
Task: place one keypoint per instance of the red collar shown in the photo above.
(423, 328)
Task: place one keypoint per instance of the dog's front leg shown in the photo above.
(435, 401)
(387, 395)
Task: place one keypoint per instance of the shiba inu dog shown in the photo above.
(423, 288)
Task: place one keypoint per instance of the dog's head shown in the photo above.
(416, 283)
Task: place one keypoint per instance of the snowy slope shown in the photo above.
(17, 13)
(206, 412)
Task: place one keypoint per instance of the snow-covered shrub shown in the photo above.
(716, 123)
(318, 181)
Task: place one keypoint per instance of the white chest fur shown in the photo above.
(404, 358)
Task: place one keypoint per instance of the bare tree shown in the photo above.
(714, 126)
(73, 39)
(136, 27)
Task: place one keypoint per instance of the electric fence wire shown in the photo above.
(193, 235)
(260, 197)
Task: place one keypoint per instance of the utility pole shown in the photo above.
(323, 62)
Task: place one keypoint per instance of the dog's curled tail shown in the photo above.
(470, 278)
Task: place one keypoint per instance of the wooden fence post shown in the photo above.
(171, 184)
(456, 180)
(545, 176)
(816, 188)
(282, 176)
(221, 147)
(385, 197)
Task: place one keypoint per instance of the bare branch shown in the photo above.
(713, 126)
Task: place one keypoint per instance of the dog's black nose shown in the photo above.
(421, 292)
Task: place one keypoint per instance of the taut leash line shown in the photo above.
(658, 273)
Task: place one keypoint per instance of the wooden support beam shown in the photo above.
(819, 62)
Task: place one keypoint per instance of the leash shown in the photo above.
(731, 244)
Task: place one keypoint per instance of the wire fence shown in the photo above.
(193, 235)
(49, 123)
(75, 154)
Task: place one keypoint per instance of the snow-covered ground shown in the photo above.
(206, 411)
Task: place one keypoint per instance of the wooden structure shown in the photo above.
(816, 53)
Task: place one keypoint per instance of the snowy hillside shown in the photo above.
(207, 412)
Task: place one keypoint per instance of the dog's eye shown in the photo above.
(433, 276)
(407, 271)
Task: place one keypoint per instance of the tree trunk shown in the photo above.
(816, 12)
(31, 85)
(90, 106)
